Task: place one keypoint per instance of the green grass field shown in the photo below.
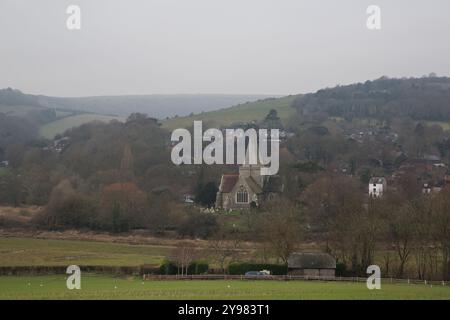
(59, 126)
(104, 287)
(39, 252)
(4, 171)
(241, 113)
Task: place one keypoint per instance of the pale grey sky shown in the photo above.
(216, 46)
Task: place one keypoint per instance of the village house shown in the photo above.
(377, 186)
(312, 264)
(431, 173)
(430, 187)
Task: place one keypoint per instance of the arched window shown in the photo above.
(242, 195)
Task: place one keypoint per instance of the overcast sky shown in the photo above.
(216, 46)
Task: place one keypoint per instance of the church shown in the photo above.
(248, 189)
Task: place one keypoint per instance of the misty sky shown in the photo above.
(216, 46)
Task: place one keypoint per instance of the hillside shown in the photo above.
(247, 112)
(59, 126)
(55, 115)
(156, 106)
(49, 120)
(420, 99)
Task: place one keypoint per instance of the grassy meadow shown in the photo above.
(108, 287)
(41, 252)
(3, 171)
(51, 129)
(251, 111)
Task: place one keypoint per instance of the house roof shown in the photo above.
(228, 182)
(271, 184)
(377, 180)
(431, 157)
(300, 260)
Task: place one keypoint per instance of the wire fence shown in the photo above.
(150, 273)
(288, 278)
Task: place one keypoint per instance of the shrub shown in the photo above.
(198, 268)
(168, 267)
(171, 268)
(206, 194)
(341, 269)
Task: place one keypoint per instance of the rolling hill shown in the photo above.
(54, 115)
(247, 112)
(156, 106)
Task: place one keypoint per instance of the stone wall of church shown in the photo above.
(227, 201)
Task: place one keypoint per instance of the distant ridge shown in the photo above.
(157, 105)
(54, 115)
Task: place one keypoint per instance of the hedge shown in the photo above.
(198, 268)
(242, 268)
(41, 270)
(169, 267)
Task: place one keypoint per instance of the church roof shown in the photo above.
(253, 185)
(377, 180)
(228, 182)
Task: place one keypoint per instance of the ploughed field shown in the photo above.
(109, 287)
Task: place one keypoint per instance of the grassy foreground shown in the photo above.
(107, 287)
(40, 252)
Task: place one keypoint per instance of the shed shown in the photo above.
(311, 264)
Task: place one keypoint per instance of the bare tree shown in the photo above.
(282, 228)
(183, 256)
(422, 239)
(402, 233)
(224, 250)
(441, 228)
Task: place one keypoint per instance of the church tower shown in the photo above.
(252, 170)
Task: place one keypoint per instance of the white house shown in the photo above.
(377, 186)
